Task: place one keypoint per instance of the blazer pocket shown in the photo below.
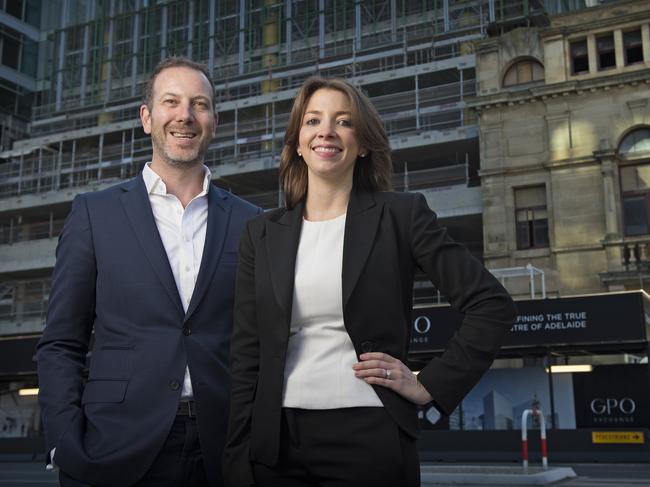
(111, 391)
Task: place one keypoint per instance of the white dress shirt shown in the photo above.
(318, 371)
(182, 231)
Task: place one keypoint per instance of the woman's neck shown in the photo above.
(325, 202)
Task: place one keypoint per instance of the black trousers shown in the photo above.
(178, 464)
(350, 447)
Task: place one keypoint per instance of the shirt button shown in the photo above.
(187, 268)
(187, 331)
(174, 385)
(187, 238)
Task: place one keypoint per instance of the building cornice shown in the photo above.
(566, 88)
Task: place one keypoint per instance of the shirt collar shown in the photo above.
(155, 184)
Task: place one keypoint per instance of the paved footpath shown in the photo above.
(32, 474)
(588, 474)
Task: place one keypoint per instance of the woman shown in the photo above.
(321, 395)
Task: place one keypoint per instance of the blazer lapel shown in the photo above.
(282, 238)
(138, 210)
(219, 210)
(361, 225)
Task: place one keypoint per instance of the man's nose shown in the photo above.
(184, 112)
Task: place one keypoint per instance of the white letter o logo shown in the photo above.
(417, 326)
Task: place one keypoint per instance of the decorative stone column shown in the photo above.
(612, 206)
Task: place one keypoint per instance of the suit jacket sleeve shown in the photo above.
(244, 367)
(487, 307)
(61, 352)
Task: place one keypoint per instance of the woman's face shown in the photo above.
(328, 141)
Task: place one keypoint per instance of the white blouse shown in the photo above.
(318, 372)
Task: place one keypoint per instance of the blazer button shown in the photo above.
(187, 331)
(174, 385)
(366, 347)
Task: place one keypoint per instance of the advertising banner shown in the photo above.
(498, 401)
(613, 396)
(584, 320)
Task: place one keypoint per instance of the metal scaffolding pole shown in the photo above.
(289, 30)
(242, 26)
(135, 43)
(212, 17)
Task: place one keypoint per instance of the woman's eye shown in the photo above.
(311, 121)
(345, 123)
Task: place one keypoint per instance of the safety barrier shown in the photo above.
(536, 413)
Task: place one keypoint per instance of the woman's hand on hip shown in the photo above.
(384, 370)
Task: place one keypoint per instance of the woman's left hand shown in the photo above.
(384, 370)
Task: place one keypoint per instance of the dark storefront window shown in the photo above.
(531, 217)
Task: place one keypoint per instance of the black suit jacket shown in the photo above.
(387, 236)
(112, 276)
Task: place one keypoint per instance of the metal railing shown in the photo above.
(24, 300)
(12, 233)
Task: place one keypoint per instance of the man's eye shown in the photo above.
(169, 101)
(201, 104)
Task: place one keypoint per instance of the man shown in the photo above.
(149, 266)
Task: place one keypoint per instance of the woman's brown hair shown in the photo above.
(371, 173)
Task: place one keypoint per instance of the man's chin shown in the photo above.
(184, 162)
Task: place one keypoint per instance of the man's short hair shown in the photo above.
(174, 62)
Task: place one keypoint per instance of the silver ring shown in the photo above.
(387, 373)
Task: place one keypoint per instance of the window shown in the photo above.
(632, 47)
(606, 53)
(527, 71)
(635, 189)
(531, 217)
(636, 141)
(635, 184)
(579, 57)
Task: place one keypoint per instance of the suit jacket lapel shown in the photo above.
(282, 238)
(219, 210)
(361, 225)
(138, 210)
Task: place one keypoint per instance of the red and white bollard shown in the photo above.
(524, 436)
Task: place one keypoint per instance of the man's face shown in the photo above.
(181, 118)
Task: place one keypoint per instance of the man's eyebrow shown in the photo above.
(176, 95)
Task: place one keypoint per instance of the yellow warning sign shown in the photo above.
(617, 437)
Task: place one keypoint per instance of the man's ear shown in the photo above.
(145, 118)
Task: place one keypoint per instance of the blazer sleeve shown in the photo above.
(61, 351)
(487, 307)
(244, 369)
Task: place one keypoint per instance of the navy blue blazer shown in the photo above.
(112, 276)
(387, 237)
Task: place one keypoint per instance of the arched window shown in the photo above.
(636, 141)
(635, 182)
(523, 72)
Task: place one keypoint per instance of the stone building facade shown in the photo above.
(564, 123)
